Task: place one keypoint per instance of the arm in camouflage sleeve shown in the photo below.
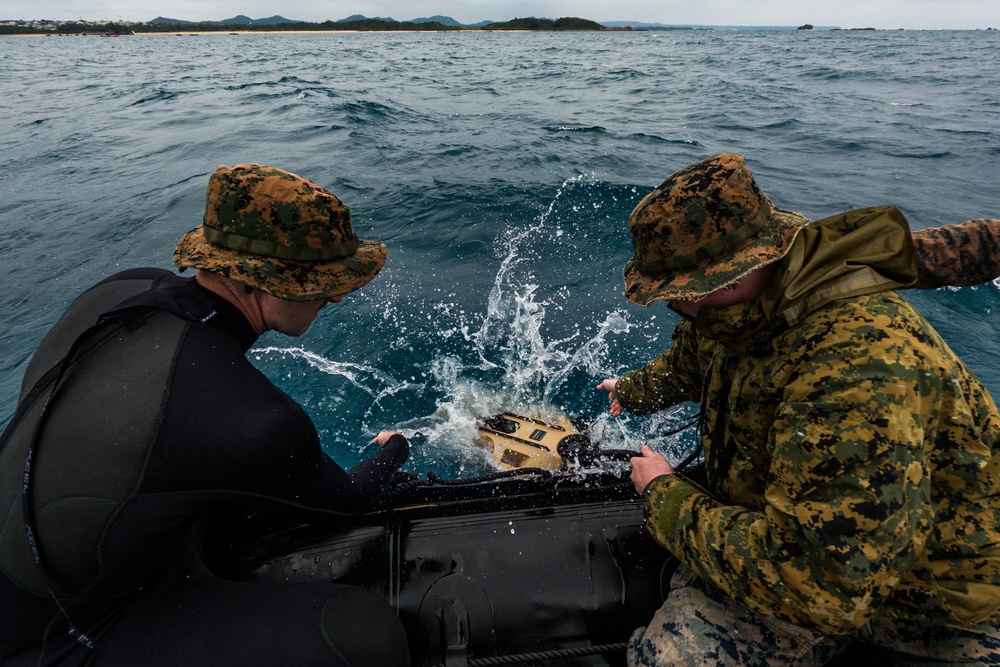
(845, 513)
(958, 255)
(671, 378)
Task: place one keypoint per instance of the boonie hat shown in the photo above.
(706, 226)
(280, 233)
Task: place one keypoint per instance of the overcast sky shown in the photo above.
(888, 14)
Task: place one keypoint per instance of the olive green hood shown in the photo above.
(859, 252)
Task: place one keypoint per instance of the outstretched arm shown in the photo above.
(958, 255)
(673, 377)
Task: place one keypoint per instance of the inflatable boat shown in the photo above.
(527, 566)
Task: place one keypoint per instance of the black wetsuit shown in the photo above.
(158, 426)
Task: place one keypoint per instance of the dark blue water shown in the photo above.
(500, 170)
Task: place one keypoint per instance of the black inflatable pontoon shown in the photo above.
(550, 564)
(522, 567)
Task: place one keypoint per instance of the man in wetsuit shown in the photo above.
(851, 487)
(141, 422)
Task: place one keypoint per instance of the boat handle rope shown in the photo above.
(528, 658)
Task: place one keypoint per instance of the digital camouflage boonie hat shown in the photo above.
(703, 228)
(280, 233)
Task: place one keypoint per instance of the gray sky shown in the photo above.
(888, 14)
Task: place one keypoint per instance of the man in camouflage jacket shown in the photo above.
(853, 474)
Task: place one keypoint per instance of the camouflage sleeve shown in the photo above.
(958, 255)
(844, 514)
(673, 377)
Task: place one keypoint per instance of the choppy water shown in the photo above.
(500, 170)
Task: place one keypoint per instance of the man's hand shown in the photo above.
(609, 386)
(383, 438)
(647, 467)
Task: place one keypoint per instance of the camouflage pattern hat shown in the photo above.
(703, 228)
(280, 233)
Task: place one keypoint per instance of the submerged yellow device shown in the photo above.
(525, 442)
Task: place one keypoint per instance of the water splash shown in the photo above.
(511, 363)
(511, 336)
(365, 378)
(506, 357)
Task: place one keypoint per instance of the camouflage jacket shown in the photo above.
(865, 475)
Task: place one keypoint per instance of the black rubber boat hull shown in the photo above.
(553, 569)
(510, 567)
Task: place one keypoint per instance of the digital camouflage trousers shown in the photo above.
(699, 625)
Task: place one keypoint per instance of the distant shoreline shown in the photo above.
(244, 24)
(243, 31)
(233, 33)
(237, 32)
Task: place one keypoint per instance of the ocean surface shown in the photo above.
(500, 170)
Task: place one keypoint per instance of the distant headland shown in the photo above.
(354, 23)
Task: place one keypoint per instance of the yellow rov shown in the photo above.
(525, 442)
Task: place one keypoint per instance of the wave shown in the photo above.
(157, 95)
(575, 128)
(642, 136)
